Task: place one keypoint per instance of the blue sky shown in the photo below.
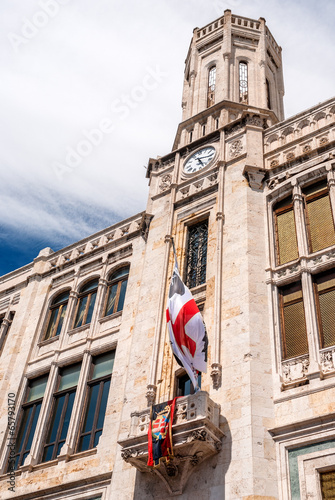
(69, 69)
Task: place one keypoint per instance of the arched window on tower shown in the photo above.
(211, 86)
(268, 94)
(56, 315)
(243, 82)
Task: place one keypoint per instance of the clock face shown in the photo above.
(199, 160)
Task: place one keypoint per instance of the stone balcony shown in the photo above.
(196, 437)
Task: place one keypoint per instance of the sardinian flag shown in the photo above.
(188, 335)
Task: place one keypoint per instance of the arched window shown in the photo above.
(243, 82)
(86, 301)
(117, 287)
(56, 315)
(211, 86)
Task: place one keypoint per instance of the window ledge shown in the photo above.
(83, 454)
(47, 341)
(79, 329)
(111, 316)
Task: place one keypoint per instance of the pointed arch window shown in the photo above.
(117, 291)
(243, 82)
(56, 315)
(211, 86)
(86, 301)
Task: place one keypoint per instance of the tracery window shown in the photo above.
(324, 290)
(293, 325)
(211, 86)
(196, 254)
(86, 301)
(319, 219)
(96, 400)
(28, 420)
(243, 82)
(56, 315)
(286, 239)
(117, 287)
(61, 411)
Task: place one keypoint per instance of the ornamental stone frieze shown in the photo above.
(196, 436)
(294, 371)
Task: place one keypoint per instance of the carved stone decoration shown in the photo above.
(198, 185)
(184, 191)
(306, 149)
(145, 225)
(295, 370)
(196, 437)
(255, 176)
(254, 120)
(216, 375)
(324, 141)
(290, 156)
(328, 361)
(151, 394)
(274, 163)
(165, 182)
(236, 148)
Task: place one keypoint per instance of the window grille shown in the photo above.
(324, 287)
(319, 219)
(327, 480)
(286, 239)
(293, 326)
(196, 255)
(243, 82)
(211, 86)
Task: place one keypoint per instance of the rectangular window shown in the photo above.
(61, 411)
(319, 218)
(196, 254)
(286, 239)
(96, 401)
(293, 326)
(29, 416)
(324, 288)
(243, 82)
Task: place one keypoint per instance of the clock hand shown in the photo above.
(199, 160)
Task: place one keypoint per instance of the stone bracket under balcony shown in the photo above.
(195, 433)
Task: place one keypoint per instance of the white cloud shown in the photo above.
(65, 78)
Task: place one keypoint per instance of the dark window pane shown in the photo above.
(57, 411)
(90, 308)
(103, 405)
(122, 295)
(35, 415)
(60, 323)
(92, 402)
(103, 365)
(80, 313)
(67, 416)
(52, 323)
(24, 457)
(120, 273)
(84, 443)
(23, 428)
(90, 286)
(48, 453)
(61, 298)
(196, 257)
(111, 300)
(59, 447)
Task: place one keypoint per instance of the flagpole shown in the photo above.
(174, 251)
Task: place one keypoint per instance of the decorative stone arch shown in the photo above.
(304, 123)
(116, 268)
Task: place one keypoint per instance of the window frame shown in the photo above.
(316, 277)
(187, 278)
(28, 431)
(90, 383)
(110, 284)
(50, 422)
(243, 94)
(310, 198)
(51, 308)
(81, 297)
(283, 333)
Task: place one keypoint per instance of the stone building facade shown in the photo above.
(249, 199)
